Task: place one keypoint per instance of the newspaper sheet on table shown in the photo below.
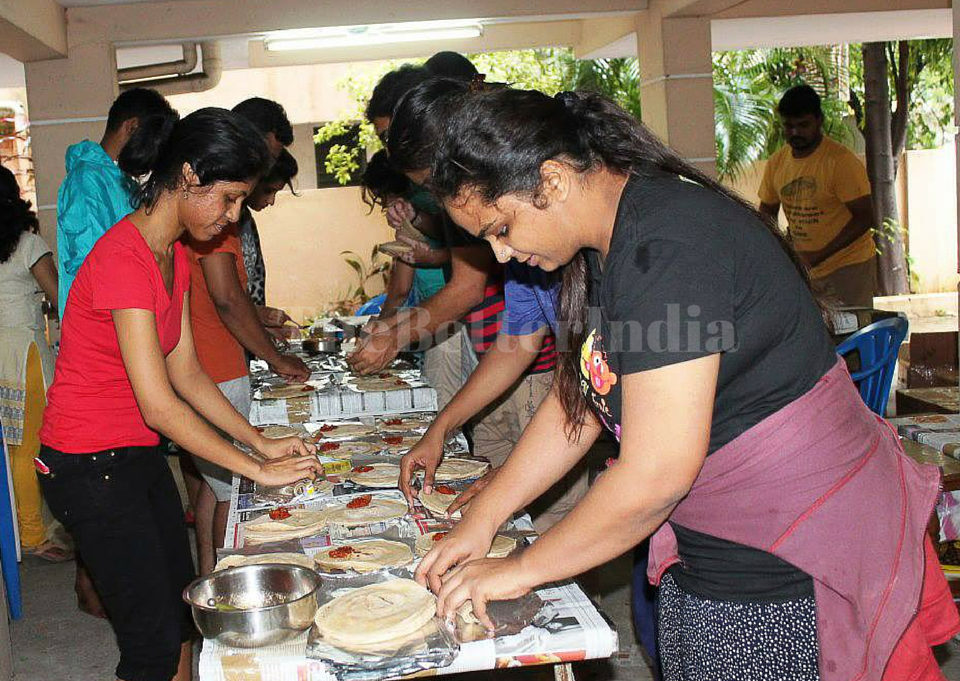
(940, 431)
(578, 632)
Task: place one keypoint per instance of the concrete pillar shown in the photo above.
(68, 100)
(676, 84)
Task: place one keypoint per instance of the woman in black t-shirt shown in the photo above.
(692, 329)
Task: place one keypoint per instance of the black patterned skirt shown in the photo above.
(707, 640)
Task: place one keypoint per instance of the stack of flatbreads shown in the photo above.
(355, 513)
(284, 392)
(439, 500)
(278, 432)
(299, 523)
(332, 431)
(364, 556)
(345, 450)
(300, 559)
(374, 475)
(501, 547)
(371, 384)
(460, 469)
(399, 444)
(294, 523)
(376, 617)
(403, 424)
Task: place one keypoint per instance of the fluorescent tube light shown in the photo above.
(372, 35)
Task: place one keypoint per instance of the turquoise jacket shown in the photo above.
(94, 196)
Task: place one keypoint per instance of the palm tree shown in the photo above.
(618, 79)
(748, 84)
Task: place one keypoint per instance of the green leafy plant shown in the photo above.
(373, 270)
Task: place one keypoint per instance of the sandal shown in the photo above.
(50, 552)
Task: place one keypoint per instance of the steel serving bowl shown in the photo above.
(254, 605)
(314, 346)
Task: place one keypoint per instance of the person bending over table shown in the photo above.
(128, 370)
(530, 296)
(421, 274)
(226, 325)
(503, 377)
(746, 450)
(433, 325)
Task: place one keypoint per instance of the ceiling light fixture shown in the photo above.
(379, 34)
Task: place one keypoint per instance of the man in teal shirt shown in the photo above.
(95, 193)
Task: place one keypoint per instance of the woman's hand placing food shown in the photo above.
(278, 448)
(275, 472)
(481, 581)
(469, 540)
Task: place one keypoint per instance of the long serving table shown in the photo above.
(578, 631)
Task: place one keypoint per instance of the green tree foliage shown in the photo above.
(747, 86)
(548, 70)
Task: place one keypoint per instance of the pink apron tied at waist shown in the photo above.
(824, 485)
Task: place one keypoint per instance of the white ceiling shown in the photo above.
(91, 3)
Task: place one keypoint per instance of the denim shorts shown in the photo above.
(123, 510)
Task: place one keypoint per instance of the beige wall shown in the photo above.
(308, 93)
(930, 181)
(302, 238)
(926, 190)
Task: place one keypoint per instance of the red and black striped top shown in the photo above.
(483, 325)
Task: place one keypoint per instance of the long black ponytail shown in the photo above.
(495, 142)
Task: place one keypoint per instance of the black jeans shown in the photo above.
(123, 510)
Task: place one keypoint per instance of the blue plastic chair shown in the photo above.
(8, 538)
(372, 306)
(877, 344)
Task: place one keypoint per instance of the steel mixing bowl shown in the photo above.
(254, 605)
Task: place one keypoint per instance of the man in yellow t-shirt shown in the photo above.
(825, 194)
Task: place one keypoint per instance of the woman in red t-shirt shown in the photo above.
(128, 370)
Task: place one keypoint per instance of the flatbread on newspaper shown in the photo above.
(460, 469)
(282, 523)
(439, 500)
(374, 475)
(278, 432)
(378, 614)
(329, 431)
(283, 392)
(287, 558)
(365, 510)
(345, 450)
(364, 556)
(501, 547)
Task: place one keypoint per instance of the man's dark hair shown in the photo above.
(267, 116)
(800, 101)
(140, 103)
(451, 65)
(392, 87)
(283, 170)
